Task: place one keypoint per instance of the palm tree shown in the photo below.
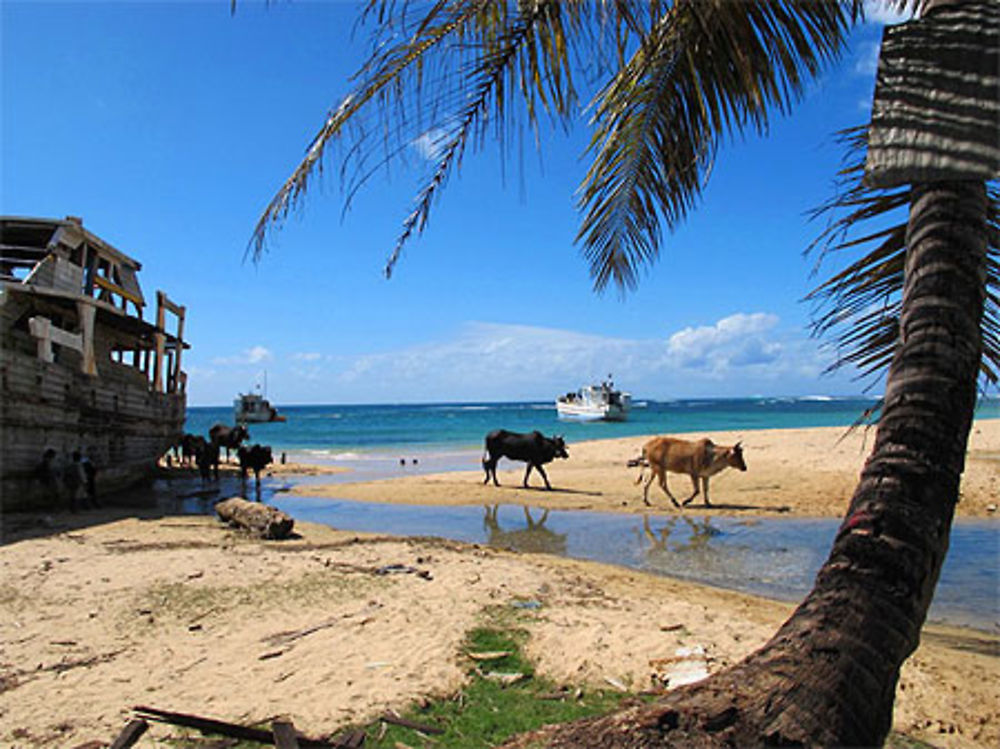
(683, 76)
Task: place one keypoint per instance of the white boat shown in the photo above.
(254, 408)
(595, 402)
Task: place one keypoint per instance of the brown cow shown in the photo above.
(699, 460)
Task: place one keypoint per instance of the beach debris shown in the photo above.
(616, 683)
(503, 678)
(397, 569)
(130, 734)
(225, 728)
(284, 734)
(491, 655)
(686, 666)
(283, 638)
(562, 693)
(391, 716)
(531, 605)
(262, 520)
(352, 740)
(386, 569)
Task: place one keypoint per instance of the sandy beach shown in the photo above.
(109, 609)
(800, 472)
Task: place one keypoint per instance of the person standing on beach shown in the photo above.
(45, 472)
(73, 479)
(90, 479)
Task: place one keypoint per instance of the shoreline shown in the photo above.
(799, 472)
(184, 614)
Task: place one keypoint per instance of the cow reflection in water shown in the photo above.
(702, 532)
(534, 538)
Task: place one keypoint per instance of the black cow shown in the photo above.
(208, 460)
(190, 446)
(534, 448)
(228, 437)
(254, 458)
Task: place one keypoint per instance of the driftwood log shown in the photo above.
(260, 519)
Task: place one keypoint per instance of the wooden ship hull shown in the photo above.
(80, 370)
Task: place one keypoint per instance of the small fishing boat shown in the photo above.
(254, 408)
(595, 403)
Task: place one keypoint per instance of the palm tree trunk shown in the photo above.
(828, 676)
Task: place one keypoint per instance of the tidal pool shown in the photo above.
(774, 557)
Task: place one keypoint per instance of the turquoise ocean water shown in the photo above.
(335, 433)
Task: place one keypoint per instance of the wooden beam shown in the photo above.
(87, 312)
(284, 735)
(47, 334)
(163, 300)
(116, 289)
(223, 728)
(130, 734)
(391, 717)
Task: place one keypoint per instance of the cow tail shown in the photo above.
(642, 463)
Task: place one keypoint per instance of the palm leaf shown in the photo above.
(858, 307)
(459, 68)
(455, 73)
(705, 70)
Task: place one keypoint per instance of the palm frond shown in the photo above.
(858, 307)
(704, 71)
(455, 70)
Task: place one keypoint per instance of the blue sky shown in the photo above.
(169, 126)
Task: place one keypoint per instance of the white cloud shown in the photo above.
(253, 355)
(745, 352)
(737, 340)
(734, 356)
(258, 354)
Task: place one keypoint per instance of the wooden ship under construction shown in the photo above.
(80, 369)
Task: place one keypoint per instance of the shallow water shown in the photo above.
(773, 557)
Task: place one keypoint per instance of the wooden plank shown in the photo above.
(165, 301)
(391, 717)
(284, 734)
(130, 734)
(353, 740)
(119, 290)
(222, 727)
